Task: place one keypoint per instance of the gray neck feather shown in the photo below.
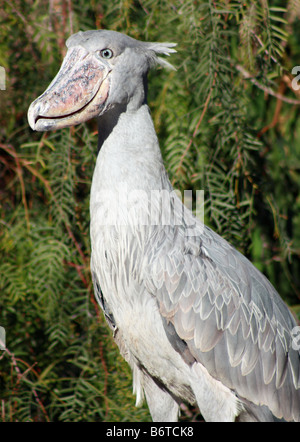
(129, 150)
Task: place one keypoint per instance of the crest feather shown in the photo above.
(161, 48)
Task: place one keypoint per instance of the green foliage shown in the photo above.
(228, 122)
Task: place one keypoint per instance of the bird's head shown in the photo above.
(100, 70)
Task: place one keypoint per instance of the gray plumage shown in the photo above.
(192, 316)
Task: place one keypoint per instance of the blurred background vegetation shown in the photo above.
(228, 122)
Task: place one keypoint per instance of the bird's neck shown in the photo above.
(129, 151)
(129, 174)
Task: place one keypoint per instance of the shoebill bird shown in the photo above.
(196, 321)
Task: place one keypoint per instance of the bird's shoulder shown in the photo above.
(204, 268)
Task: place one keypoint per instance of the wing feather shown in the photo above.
(231, 318)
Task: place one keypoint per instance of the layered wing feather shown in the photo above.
(230, 316)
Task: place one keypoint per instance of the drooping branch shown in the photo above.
(247, 76)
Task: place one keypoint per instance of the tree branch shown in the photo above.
(247, 76)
